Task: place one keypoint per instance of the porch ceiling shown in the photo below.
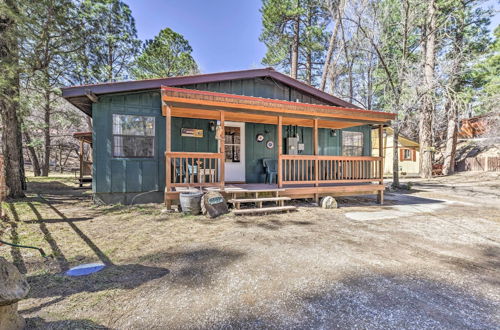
(201, 104)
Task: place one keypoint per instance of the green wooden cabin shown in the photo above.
(130, 134)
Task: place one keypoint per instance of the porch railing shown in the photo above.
(194, 169)
(311, 169)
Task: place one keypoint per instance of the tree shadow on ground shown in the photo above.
(486, 265)
(195, 267)
(39, 323)
(270, 224)
(377, 302)
(112, 277)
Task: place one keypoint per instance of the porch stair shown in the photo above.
(280, 205)
(259, 201)
(265, 210)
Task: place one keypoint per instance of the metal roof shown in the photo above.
(80, 96)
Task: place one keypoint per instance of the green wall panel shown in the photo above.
(256, 151)
(127, 174)
(191, 144)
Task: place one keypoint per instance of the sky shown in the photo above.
(224, 34)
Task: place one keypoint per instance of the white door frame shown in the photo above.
(235, 172)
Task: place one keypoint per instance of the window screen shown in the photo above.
(133, 136)
(352, 143)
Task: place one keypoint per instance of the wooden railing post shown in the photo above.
(280, 150)
(81, 163)
(222, 150)
(380, 195)
(168, 148)
(316, 160)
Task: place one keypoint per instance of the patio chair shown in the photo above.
(189, 172)
(271, 168)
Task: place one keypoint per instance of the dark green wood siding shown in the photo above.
(259, 87)
(191, 144)
(127, 174)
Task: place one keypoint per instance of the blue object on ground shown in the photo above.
(85, 269)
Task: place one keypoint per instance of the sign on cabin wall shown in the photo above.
(192, 132)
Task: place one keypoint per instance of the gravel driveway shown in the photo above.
(427, 259)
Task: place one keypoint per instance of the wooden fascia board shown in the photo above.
(258, 118)
(264, 117)
(179, 102)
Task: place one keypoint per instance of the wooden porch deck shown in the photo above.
(294, 191)
(298, 176)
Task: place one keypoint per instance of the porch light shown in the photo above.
(211, 125)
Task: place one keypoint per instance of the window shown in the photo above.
(232, 144)
(133, 136)
(352, 143)
(406, 154)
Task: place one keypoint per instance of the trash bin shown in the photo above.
(190, 202)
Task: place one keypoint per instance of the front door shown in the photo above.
(234, 143)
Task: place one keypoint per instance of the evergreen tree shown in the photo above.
(295, 34)
(9, 97)
(110, 42)
(167, 55)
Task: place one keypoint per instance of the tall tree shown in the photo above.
(486, 74)
(53, 33)
(295, 34)
(9, 100)
(429, 84)
(167, 55)
(110, 43)
(463, 39)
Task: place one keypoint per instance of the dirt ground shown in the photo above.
(428, 258)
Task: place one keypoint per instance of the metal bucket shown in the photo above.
(190, 202)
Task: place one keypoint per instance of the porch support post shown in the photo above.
(81, 163)
(316, 160)
(380, 195)
(280, 150)
(222, 150)
(168, 148)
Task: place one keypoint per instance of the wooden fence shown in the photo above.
(479, 164)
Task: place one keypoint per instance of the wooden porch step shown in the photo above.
(265, 210)
(258, 201)
(255, 200)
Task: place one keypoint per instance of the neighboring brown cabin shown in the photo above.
(478, 149)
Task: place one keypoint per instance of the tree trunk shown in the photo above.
(451, 105)
(339, 11)
(451, 140)
(46, 133)
(9, 105)
(32, 154)
(427, 109)
(294, 69)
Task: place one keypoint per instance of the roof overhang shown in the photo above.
(82, 96)
(201, 104)
(83, 136)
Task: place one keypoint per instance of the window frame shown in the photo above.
(343, 145)
(153, 137)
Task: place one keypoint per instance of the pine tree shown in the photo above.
(167, 55)
(295, 34)
(9, 100)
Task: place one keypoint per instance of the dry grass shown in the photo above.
(311, 268)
